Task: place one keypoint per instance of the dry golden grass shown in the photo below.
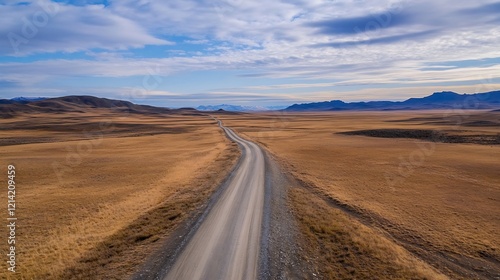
(440, 201)
(340, 247)
(102, 189)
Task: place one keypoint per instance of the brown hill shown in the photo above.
(81, 104)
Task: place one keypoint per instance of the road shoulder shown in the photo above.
(281, 254)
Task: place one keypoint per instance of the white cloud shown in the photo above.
(45, 26)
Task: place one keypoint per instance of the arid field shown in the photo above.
(415, 197)
(376, 195)
(97, 191)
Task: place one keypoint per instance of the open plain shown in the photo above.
(394, 203)
(98, 192)
(360, 195)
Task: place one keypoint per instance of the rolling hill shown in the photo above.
(67, 104)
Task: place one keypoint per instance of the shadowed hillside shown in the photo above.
(81, 104)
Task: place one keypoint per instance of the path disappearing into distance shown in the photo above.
(226, 245)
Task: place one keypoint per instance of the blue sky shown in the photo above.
(188, 53)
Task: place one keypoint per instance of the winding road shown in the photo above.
(227, 243)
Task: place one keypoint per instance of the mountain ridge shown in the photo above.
(437, 100)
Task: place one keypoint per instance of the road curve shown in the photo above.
(227, 243)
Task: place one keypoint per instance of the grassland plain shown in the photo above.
(97, 192)
(378, 208)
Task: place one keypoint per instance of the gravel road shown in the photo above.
(227, 243)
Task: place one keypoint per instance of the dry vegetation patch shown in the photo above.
(430, 135)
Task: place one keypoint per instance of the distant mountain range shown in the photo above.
(238, 108)
(68, 104)
(82, 104)
(438, 100)
(27, 99)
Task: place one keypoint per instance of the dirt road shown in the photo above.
(227, 243)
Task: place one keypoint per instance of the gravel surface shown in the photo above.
(280, 256)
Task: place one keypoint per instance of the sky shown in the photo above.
(180, 53)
